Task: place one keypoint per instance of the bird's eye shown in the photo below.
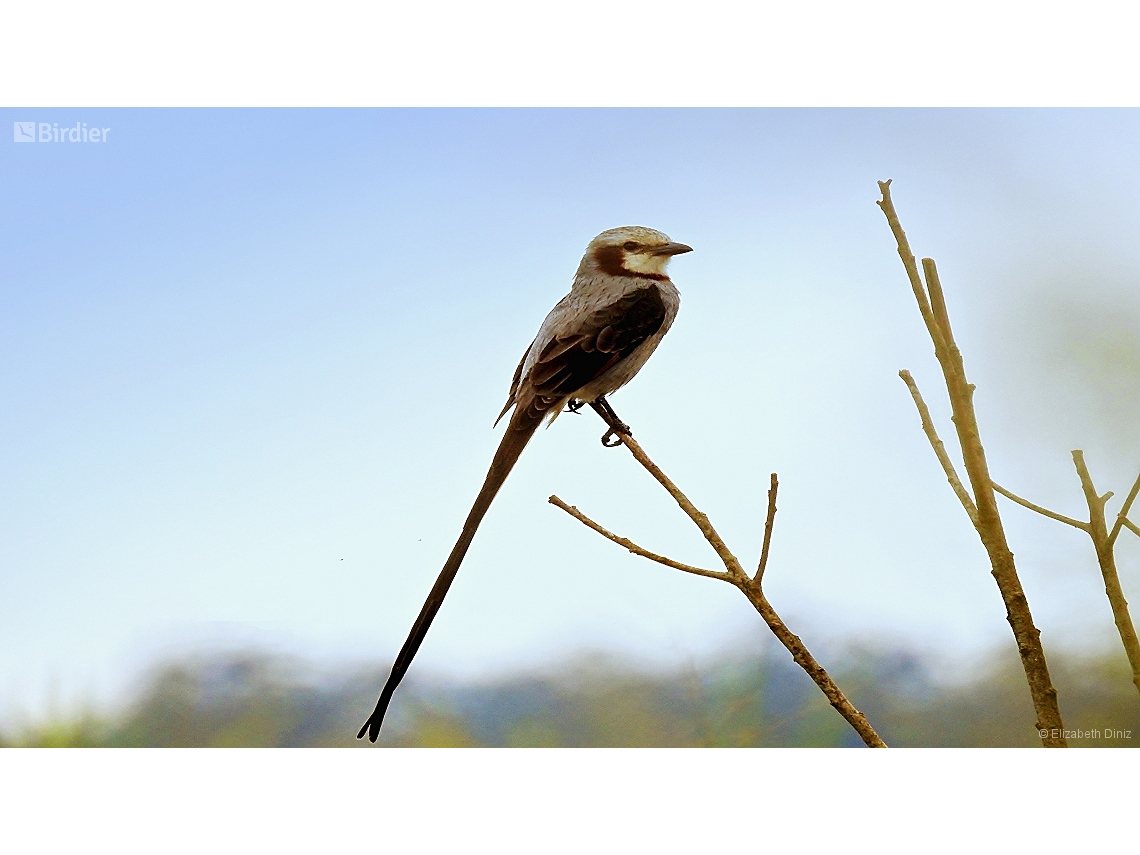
(630, 245)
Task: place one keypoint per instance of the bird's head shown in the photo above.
(631, 251)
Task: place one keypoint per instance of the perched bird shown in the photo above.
(592, 343)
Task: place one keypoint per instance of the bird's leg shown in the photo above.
(574, 406)
(612, 418)
(618, 428)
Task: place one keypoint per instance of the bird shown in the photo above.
(593, 342)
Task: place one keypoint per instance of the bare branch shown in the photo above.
(735, 575)
(1098, 531)
(633, 547)
(1025, 503)
(909, 263)
(987, 518)
(937, 300)
(1132, 527)
(1122, 517)
(768, 523)
(802, 657)
(1095, 502)
(939, 448)
(753, 590)
(701, 521)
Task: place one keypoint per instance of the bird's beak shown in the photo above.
(671, 249)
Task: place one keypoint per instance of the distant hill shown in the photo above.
(258, 699)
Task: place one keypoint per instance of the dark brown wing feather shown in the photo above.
(514, 386)
(569, 362)
(607, 336)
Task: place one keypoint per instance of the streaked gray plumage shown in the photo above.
(592, 343)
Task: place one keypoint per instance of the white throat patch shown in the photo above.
(639, 262)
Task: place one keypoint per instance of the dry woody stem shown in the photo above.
(1105, 556)
(985, 517)
(735, 575)
(940, 448)
(633, 547)
(768, 523)
(1104, 542)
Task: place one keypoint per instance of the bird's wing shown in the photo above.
(576, 357)
(514, 384)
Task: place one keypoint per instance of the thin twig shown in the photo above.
(1132, 527)
(768, 523)
(1103, 542)
(702, 521)
(633, 547)
(805, 660)
(909, 263)
(1025, 503)
(932, 305)
(736, 576)
(939, 448)
(1098, 530)
(1122, 517)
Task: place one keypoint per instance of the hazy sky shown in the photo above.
(250, 359)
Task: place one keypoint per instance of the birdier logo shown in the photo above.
(52, 132)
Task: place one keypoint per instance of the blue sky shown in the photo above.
(249, 362)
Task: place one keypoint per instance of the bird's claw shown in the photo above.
(574, 406)
(618, 429)
(612, 438)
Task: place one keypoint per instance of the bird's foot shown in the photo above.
(618, 428)
(574, 406)
(612, 438)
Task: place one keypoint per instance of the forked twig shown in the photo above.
(1122, 517)
(1104, 542)
(735, 575)
(987, 520)
(735, 570)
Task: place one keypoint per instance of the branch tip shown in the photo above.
(633, 547)
(940, 448)
(1122, 517)
(769, 522)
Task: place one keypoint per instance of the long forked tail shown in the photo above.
(522, 426)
